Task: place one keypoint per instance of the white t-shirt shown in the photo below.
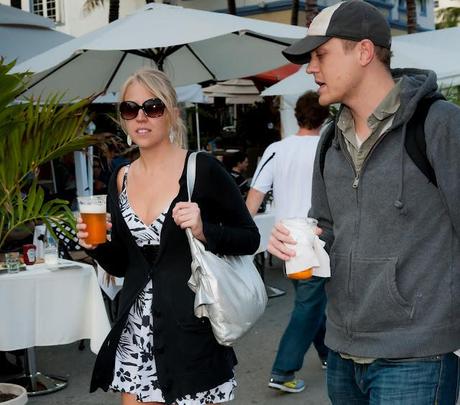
(287, 165)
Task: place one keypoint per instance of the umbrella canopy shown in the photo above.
(299, 81)
(24, 35)
(273, 76)
(437, 50)
(236, 91)
(191, 46)
(192, 93)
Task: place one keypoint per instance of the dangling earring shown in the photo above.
(171, 137)
(129, 141)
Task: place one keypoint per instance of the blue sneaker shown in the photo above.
(292, 386)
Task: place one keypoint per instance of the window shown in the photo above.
(423, 7)
(46, 8)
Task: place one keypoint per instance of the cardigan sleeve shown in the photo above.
(228, 227)
(111, 256)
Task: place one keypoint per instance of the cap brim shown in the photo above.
(299, 52)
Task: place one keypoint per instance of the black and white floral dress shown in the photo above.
(135, 369)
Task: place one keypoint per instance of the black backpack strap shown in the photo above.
(415, 142)
(260, 171)
(328, 135)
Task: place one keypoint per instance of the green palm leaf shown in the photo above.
(33, 132)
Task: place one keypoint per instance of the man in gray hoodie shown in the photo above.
(393, 235)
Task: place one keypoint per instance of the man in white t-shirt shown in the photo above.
(287, 166)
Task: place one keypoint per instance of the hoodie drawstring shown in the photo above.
(399, 202)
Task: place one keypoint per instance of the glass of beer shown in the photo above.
(93, 214)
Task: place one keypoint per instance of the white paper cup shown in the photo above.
(302, 230)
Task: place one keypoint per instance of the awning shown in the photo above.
(273, 76)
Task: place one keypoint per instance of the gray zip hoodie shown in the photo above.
(394, 238)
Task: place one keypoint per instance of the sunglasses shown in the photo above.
(153, 108)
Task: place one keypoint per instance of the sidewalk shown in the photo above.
(255, 352)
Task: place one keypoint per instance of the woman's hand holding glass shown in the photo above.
(82, 234)
(188, 215)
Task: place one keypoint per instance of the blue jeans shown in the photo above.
(423, 381)
(307, 325)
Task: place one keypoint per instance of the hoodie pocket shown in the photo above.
(378, 304)
(338, 300)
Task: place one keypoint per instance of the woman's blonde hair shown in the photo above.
(158, 84)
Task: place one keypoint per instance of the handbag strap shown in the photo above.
(191, 174)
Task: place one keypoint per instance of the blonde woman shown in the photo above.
(158, 352)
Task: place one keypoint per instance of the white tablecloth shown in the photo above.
(265, 224)
(40, 307)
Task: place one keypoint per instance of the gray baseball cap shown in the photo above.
(354, 20)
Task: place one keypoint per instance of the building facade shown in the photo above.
(438, 4)
(447, 5)
(72, 18)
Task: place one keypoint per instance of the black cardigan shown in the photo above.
(187, 356)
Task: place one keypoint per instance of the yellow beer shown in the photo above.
(93, 214)
(95, 226)
(301, 275)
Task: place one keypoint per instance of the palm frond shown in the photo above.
(90, 5)
(32, 133)
(448, 17)
(22, 210)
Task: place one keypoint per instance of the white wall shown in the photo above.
(448, 3)
(77, 22)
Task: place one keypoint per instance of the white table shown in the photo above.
(265, 223)
(44, 307)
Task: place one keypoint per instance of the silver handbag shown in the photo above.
(228, 289)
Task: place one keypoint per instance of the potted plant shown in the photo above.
(32, 133)
(12, 394)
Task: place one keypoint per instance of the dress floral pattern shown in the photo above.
(135, 369)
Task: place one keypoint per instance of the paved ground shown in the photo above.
(255, 352)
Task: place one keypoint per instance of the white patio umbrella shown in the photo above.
(236, 91)
(24, 35)
(192, 93)
(191, 46)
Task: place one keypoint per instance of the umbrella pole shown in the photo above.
(89, 168)
(53, 176)
(81, 173)
(197, 120)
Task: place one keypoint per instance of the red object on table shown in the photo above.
(29, 252)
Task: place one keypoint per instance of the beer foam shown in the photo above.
(92, 209)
